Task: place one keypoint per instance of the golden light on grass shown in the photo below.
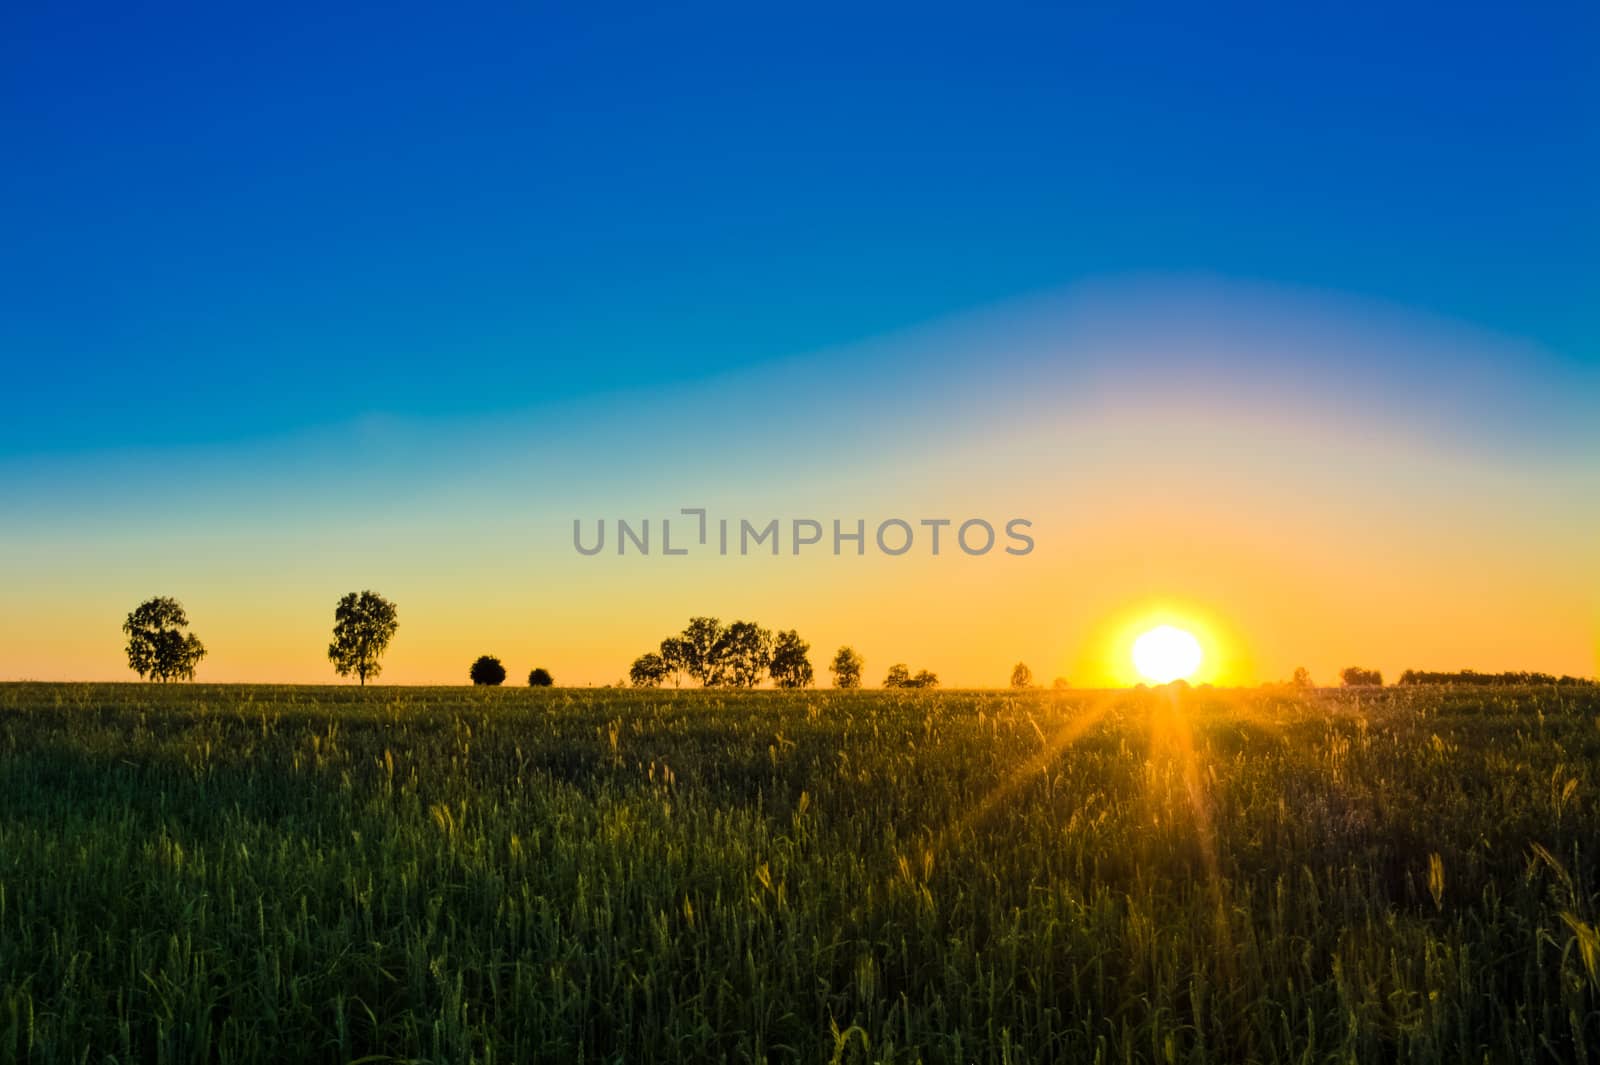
(1166, 653)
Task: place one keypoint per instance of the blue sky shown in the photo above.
(225, 224)
(1286, 315)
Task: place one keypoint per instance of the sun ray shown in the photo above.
(1052, 745)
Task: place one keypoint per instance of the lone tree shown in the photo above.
(157, 646)
(791, 668)
(742, 654)
(1021, 676)
(487, 671)
(1061, 684)
(925, 678)
(846, 668)
(540, 678)
(648, 671)
(897, 677)
(1301, 678)
(363, 625)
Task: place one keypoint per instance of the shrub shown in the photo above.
(487, 670)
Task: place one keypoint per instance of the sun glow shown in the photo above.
(1166, 653)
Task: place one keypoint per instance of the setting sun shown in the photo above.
(1166, 653)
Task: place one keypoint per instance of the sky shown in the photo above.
(1278, 323)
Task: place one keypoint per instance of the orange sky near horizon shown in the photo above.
(1285, 522)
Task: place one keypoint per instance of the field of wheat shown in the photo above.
(196, 873)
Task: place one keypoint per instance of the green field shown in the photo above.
(197, 873)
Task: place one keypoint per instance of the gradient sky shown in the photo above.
(1285, 323)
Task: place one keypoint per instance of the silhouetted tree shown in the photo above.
(540, 678)
(1021, 676)
(648, 671)
(1301, 678)
(900, 677)
(487, 670)
(1060, 684)
(742, 654)
(846, 668)
(701, 644)
(363, 625)
(677, 653)
(1356, 677)
(157, 646)
(791, 666)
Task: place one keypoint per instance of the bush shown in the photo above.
(540, 678)
(487, 670)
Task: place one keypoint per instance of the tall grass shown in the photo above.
(292, 874)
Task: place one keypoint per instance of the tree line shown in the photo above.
(737, 655)
(740, 654)
(1359, 677)
(363, 624)
(1472, 676)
